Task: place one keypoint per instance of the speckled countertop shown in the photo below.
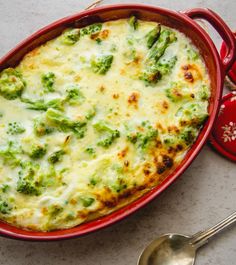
(203, 195)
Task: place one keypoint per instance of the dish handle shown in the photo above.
(219, 25)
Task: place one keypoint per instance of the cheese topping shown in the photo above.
(94, 118)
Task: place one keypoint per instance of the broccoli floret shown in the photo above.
(87, 201)
(48, 81)
(61, 122)
(70, 36)
(110, 134)
(119, 185)
(194, 114)
(106, 142)
(152, 36)
(188, 135)
(178, 91)
(42, 105)
(91, 29)
(90, 151)
(5, 208)
(27, 182)
(91, 113)
(101, 64)
(204, 93)
(184, 138)
(15, 128)
(155, 72)
(145, 138)
(133, 22)
(192, 54)
(11, 84)
(54, 210)
(5, 188)
(56, 156)
(74, 96)
(41, 128)
(9, 153)
(36, 150)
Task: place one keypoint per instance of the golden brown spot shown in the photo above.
(73, 201)
(173, 128)
(165, 104)
(125, 194)
(115, 96)
(102, 88)
(104, 34)
(123, 153)
(146, 172)
(168, 161)
(126, 163)
(191, 72)
(122, 71)
(100, 35)
(133, 98)
(188, 77)
(44, 210)
(161, 169)
(82, 215)
(77, 78)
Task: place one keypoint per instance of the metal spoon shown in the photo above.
(175, 249)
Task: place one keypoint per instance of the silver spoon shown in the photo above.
(175, 249)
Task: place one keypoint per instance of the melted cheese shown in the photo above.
(91, 180)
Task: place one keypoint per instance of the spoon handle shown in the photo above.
(201, 238)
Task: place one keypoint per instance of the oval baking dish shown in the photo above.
(181, 21)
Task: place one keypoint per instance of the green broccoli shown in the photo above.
(87, 201)
(192, 54)
(9, 153)
(204, 93)
(41, 128)
(152, 36)
(110, 134)
(133, 22)
(28, 182)
(15, 128)
(56, 156)
(145, 138)
(48, 81)
(119, 185)
(70, 36)
(5, 208)
(74, 96)
(11, 84)
(5, 188)
(194, 114)
(91, 29)
(155, 72)
(188, 135)
(90, 114)
(43, 105)
(91, 151)
(101, 64)
(35, 150)
(58, 120)
(178, 91)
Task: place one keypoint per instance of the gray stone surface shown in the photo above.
(203, 195)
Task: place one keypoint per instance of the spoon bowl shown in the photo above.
(177, 249)
(169, 249)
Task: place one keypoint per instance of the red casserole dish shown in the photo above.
(182, 21)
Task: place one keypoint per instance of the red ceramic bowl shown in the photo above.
(182, 21)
